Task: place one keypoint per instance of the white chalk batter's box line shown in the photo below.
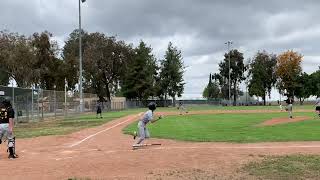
(99, 132)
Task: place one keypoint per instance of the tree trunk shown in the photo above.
(108, 92)
(174, 101)
(264, 99)
(301, 101)
(165, 100)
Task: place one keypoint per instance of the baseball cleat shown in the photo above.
(135, 146)
(12, 156)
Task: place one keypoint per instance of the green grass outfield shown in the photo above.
(240, 128)
(72, 124)
(285, 167)
(67, 125)
(211, 107)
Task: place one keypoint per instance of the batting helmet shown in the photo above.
(5, 100)
(152, 106)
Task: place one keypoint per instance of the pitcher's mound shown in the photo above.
(282, 120)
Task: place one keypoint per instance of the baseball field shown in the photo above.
(208, 142)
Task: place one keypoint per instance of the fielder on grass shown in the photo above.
(182, 108)
(142, 125)
(99, 109)
(289, 102)
(6, 126)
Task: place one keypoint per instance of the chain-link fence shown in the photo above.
(38, 104)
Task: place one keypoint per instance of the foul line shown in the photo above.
(79, 142)
(238, 147)
(209, 147)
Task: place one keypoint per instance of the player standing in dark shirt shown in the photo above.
(6, 126)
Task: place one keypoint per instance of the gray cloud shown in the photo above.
(198, 28)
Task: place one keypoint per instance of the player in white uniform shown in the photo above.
(142, 125)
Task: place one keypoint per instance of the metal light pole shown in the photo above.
(229, 43)
(80, 58)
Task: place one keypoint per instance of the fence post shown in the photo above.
(65, 97)
(14, 106)
(38, 111)
(55, 101)
(89, 102)
(32, 103)
(42, 92)
(13, 96)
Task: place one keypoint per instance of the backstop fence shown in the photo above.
(38, 104)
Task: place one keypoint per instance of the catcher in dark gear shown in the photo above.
(6, 126)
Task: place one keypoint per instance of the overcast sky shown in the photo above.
(198, 27)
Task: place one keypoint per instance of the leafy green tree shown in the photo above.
(237, 69)
(105, 63)
(104, 60)
(171, 73)
(212, 90)
(315, 83)
(288, 70)
(70, 56)
(48, 69)
(139, 81)
(17, 58)
(304, 86)
(4, 77)
(262, 75)
(4, 71)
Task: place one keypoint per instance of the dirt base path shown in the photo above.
(284, 120)
(105, 153)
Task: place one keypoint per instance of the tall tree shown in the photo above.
(4, 76)
(288, 70)
(47, 66)
(139, 81)
(171, 73)
(237, 69)
(70, 56)
(17, 58)
(262, 75)
(104, 61)
(4, 52)
(304, 86)
(315, 83)
(212, 90)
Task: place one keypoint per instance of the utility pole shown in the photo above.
(229, 80)
(80, 58)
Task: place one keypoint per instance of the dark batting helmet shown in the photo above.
(152, 106)
(5, 100)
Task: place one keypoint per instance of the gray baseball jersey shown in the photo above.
(147, 117)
